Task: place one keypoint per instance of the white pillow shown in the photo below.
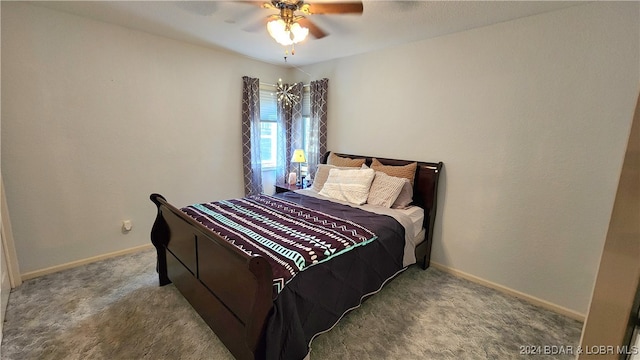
(348, 185)
(385, 189)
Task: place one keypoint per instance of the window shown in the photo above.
(268, 127)
(268, 141)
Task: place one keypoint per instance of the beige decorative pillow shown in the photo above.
(348, 185)
(405, 198)
(336, 160)
(385, 189)
(322, 173)
(403, 171)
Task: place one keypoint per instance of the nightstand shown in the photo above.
(282, 187)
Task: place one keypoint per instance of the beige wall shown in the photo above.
(531, 119)
(96, 117)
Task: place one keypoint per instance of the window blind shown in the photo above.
(306, 101)
(268, 104)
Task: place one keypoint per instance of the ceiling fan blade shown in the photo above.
(336, 8)
(262, 4)
(260, 25)
(198, 7)
(253, 2)
(255, 27)
(313, 28)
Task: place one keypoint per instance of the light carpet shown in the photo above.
(114, 309)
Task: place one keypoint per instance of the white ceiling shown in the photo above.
(239, 27)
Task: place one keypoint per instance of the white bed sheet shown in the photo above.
(416, 214)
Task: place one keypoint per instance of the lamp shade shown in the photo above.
(298, 156)
(286, 35)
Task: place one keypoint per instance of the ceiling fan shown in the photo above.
(289, 28)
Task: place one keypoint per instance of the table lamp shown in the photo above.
(298, 157)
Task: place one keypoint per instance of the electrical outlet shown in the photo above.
(126, 225)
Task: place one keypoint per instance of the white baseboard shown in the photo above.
(53, 269)
(532, 299)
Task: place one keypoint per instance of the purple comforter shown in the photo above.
(317, 298)
(321, 289)
(289, 236)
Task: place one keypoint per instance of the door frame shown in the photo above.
(8, 246)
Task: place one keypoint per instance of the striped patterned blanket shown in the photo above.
(290, 236)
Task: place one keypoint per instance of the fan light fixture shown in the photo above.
(286, 34)
(284, 28)
(288, 29)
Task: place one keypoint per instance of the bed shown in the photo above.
(255, 304)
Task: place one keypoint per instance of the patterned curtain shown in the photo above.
(318, 129)
(251, 136)
(289, 133)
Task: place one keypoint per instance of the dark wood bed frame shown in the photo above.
(232, 291)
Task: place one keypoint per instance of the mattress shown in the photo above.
(416, 214)
(410, 218)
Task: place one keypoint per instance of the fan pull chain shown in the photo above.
(286, 52)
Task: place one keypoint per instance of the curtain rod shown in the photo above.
(274, 85)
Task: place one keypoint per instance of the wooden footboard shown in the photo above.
(231, 290)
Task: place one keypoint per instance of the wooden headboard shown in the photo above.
(425, 186)
(426, 181)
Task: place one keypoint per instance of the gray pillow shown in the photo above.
(405, 198)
